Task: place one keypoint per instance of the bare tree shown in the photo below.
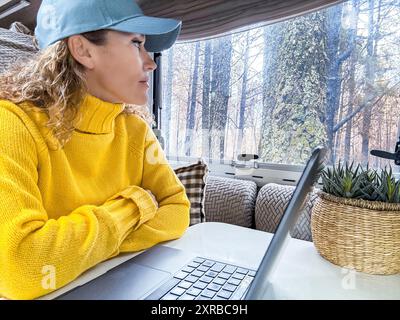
(191, 108)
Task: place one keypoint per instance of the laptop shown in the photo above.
(165, 273)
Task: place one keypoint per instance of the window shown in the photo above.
(326, 78)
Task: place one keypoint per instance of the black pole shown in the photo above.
(157, 90)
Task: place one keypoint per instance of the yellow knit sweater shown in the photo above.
(65, 210)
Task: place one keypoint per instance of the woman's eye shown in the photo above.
(139, 43)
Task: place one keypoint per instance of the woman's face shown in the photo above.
(117, 71)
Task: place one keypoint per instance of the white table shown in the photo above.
(301, 273)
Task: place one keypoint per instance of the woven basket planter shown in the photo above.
(357, 234)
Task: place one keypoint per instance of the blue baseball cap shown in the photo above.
(59, 19)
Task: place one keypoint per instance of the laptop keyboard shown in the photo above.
(205, 279)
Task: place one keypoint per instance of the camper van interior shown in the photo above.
(242, 103)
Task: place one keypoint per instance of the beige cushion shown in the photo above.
(271, 202)
(230, 201)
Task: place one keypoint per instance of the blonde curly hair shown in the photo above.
(54, 81)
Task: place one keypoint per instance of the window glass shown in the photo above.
(329, 78)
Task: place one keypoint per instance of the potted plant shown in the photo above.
(355, 222)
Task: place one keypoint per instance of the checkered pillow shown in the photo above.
(193, 177)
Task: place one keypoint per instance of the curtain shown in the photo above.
(208, 18)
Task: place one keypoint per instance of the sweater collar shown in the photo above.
(97, 116)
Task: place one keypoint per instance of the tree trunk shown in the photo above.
(372, 43)
(272, 36)
(352, 80)
(191, 111)
(205, 114)
(168, 100)
(243, 98)
(338, 134)
(220, 89)
(333, 23)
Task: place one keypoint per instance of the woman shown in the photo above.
(78, 162)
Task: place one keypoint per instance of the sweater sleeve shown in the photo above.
(172, 216)
(38, 254)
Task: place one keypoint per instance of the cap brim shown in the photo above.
(161, 33)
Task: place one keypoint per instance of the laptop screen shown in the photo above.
(293, 210)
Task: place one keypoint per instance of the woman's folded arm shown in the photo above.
(172, 217)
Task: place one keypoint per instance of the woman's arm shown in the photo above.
(38, 254)
(172, 217)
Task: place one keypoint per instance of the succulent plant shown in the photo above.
(348, 181)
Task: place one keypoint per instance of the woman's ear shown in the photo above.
(81, 51)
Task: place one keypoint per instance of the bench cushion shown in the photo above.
(230, 201)
(271, 202)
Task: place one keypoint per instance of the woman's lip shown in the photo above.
(145, 83)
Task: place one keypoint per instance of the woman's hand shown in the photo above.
(153, 197)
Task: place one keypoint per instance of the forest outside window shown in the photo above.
(329, 77)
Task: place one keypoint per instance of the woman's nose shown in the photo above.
(149, 63)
